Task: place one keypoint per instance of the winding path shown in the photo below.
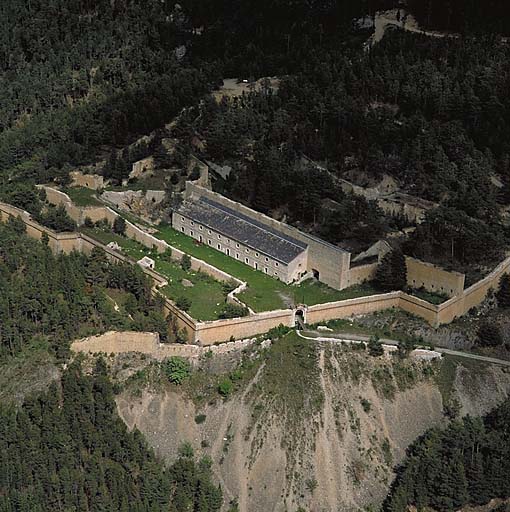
(344, 337)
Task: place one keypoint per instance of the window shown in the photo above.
(265, 270)
(257, 254)
(247, 251)
(228, 240)
(191, 233)
(183, 219)
(209, 242)
(246, 260)
(267, 259)
(182, 229)
(200, 238)
(237, 245)
(219, 247)
(200, 228)
(276, 273)
(219, 237)
(276, 264)
(237, 255)
(192, 223)
(209, 231)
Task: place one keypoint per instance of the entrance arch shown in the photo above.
(300, 317)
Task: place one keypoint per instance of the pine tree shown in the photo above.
(503, 293)
(391, 273)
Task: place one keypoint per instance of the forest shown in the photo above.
(80, 80)
(55, 299)
(67, 449)
(466, 463)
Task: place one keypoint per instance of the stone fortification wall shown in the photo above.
(114, 342)
(207, 333)
(92, 181)
(351, 307)
(360, 274)
(433, 279)
(78, 213)
(331, 262)
(223, 330)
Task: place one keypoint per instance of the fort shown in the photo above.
(206, 333)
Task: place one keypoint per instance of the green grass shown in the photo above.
(206, 294)
(264, 293)
(82, 196)
(433, 298)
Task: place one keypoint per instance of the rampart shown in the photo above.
(434, 279)
(114, 342)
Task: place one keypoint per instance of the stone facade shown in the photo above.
(92, 181)
(237, 250)
(326, 261)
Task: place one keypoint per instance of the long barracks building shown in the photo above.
(272, 247)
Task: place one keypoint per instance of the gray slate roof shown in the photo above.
(243, 229)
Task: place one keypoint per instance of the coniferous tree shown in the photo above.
(503, 293)
(391, 273)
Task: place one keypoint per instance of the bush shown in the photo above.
(233, 311)
(225, 387)
(176, 369)
(375, 347)
(366, 405)
(119, 226)
(228, 286)
(200, 418)
(186, 262)
(503, 294)
(88, 223)
(183, 303)
(489, 335)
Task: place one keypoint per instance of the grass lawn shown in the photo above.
(264, 293)
(82, 196)
(433, 298)
(206, 295)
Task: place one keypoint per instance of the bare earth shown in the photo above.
(340, 451)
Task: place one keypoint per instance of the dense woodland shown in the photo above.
(53, 299)
(68, 450)
(467, 463)
(82, 79)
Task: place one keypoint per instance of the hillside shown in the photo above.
(320, 427)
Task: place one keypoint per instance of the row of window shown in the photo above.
(237, 255)
(191, 233)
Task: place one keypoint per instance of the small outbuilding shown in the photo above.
(146, 262)
(114, 246)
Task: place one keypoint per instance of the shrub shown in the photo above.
(489, 334)
(225, 387)
(176, 369)
(183, 303)
(88, 223)
(186, 450)
(366, 405)
(228, 286)
(233, 311)
(186, 262)
(182, 336)
(119, 226)
(200, 418)
(375, 347)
